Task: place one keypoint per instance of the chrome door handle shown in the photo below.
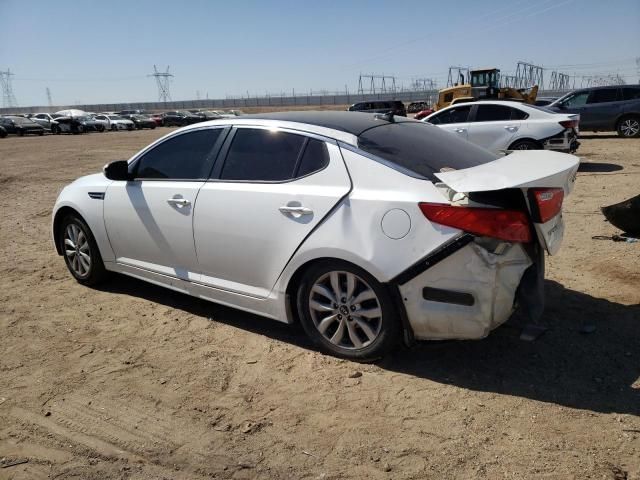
(296, 210)
(460, 130)
(179, 202)
(511, 128)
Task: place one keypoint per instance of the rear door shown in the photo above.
(454, 120)
(494, 126)
(270, 188)
(603, 107)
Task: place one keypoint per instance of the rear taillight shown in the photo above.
(509, 225)
(569, 123)
(545, 203)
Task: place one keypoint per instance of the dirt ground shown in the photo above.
(134, 381)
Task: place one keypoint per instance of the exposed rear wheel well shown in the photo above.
(57, 221)
(525, 140)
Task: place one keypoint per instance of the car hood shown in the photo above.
(520, 169)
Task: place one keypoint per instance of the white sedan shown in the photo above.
(114, 122)
(367, 229)
(504, 125)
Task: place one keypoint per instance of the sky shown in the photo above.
(102, 51)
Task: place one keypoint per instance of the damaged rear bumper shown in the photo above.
(467, 293)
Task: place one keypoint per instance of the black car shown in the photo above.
(141, 121)
(180, 119)
(3, 132)
(604, 109)
(394, 106)
(21, 126)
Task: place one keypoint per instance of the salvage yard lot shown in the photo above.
(134, 381)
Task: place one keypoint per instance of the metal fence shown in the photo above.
(250, 102)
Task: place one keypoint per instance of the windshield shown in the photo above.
(21, 120)
(114, 117)
(422, 148)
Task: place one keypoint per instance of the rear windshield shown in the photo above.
(421, 148)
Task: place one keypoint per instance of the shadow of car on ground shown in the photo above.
(598, 371)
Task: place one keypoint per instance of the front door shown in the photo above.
(273, 188)
(454, 120)
(149, 219)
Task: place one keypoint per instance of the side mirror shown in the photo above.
(118, 170)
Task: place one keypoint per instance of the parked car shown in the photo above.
(141, 121)
(503, 125)
(77, 121)
(423, 113)
(179, 118)
(394, 106)
(415, 107)
(21, 125)
(211, 115)
(3, 132)
(156, 117)
(294, 227)
(604, 109)
(114, 122)
(132, 112)
(47, 121)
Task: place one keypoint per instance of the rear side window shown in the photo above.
(518, 114)
(314, 158)
(421, 148)
(183, 157)
(453, 115)
(631, 93)
(493, 113)
(262, 155)
(603, 95)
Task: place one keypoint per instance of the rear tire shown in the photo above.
(629, 127)
(346, 312)
(80, 251)
(525, 145)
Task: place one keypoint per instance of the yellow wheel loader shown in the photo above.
(484, 85)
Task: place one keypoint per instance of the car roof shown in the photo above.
(339, 125)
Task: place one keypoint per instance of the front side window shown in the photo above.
(183, 157)
(604, 95)
(576, 100)
(262, 155)
(452, 115)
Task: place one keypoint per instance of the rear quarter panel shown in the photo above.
(354, 231)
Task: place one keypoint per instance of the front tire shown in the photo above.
(346, 312)
(80, 251)
(629, 127)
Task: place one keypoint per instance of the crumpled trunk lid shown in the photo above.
(523, 170)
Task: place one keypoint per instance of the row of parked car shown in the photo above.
(78, 121)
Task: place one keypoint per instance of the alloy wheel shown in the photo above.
(630, 127)
(77, 251)
(345, 310)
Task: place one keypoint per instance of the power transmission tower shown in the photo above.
(508, 81)
(377, 84)
(528, 75)
(559, 81)
(49, 101)
(8, 98)
(457, 76)
(162, 80)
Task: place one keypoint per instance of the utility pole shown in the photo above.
(162, 81)
(8, 98)
(49, 101)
